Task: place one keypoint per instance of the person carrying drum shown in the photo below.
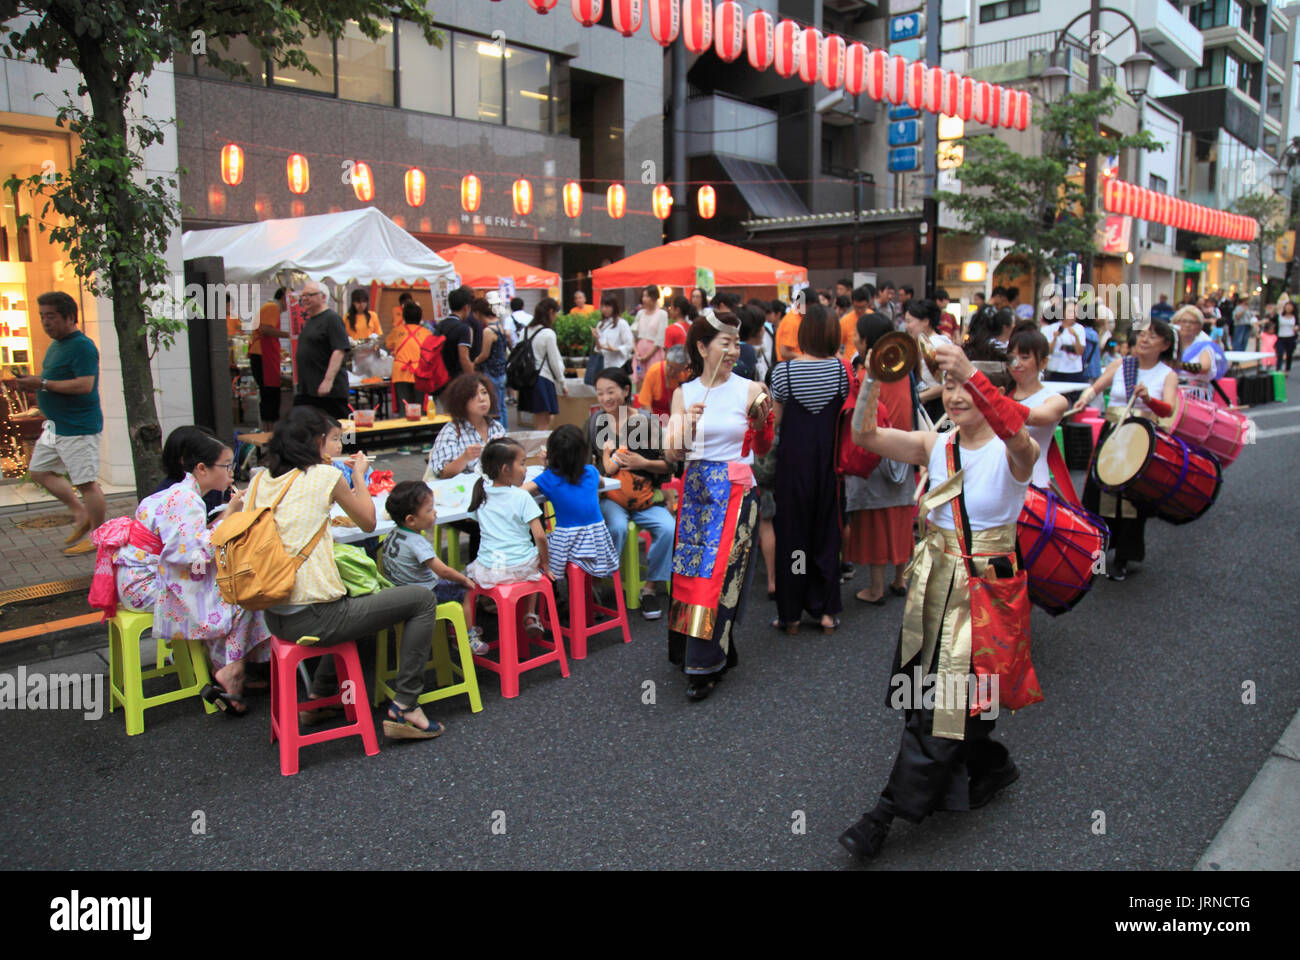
(1147, 374)
(1027, 352)
(964, 579)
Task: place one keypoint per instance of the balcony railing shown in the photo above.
(1015, 49)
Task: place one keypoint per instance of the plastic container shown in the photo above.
(413, 411)
(364, 418)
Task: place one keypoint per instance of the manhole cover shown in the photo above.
(43, 523)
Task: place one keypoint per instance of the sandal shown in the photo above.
(791, 628)
(215, 694)
(533, 627)
(828, 629)
(398, 727)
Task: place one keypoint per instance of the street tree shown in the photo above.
(1269, 211)
(113, 221)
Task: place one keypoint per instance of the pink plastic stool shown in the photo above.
(512, 643)
(1229, 386)
(583, 609)
(285, 658)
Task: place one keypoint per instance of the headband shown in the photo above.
(718, 325)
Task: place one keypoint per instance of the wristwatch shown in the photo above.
(43, 383)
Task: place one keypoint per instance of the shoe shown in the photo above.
(865, 838)
(78, 532)
(699, 688)
(983, 789)
(846, 572)
(215, 694)
(479, 647)
(791, 629)
(314, 718)
(397, 727)
(84, 547)
(829, 629)
(1118, 571)
(898, 591)
(875, 603)
(651, 608)
(533, 627)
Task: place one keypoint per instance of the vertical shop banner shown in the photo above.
(704, 280)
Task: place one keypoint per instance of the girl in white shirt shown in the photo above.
(612, 336)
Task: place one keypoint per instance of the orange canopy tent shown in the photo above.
(674, 264)
(479, 268)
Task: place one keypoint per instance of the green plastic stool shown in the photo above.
(126, 676)
(629, 568)
(446, 542)
(1279, 386)
(439, 661)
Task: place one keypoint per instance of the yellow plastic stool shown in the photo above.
(630, 568)
(125, 674)
(440, 661)
(446, 543)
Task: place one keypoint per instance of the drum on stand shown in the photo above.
(1210, 427)
(1157, 472)
(1060, 545)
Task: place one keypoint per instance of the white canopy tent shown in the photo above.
(354, 246)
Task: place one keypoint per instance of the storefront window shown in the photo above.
(320, 51)
(478, 82)
(528, 80)
(239, 50)
(426, 71)
(366, 66)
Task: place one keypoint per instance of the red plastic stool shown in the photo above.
(512, 643)
(1093, 419)
(583, 608)
(285, 658)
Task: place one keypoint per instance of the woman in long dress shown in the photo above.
(719, 419)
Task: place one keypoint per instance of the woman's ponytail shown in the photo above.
(479, 495)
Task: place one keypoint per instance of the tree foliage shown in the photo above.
(1269, 211)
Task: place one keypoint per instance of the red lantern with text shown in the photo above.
(855, 68)
(896, 80)
(471, 192)
(363, 182)
(665, 21)
(697, 25)
(298, 173)
(728, 30)
(521, 194)
(810, 55)
(874, 82)
(833, 50)
(760, 39)
(626, 15)
(661, 201)
(786, 58)
(915, 84)
(232, 164)
(415, 187)
(587, 12)
(706, 200)
(573, 199)
(543, 6)
(616, 200)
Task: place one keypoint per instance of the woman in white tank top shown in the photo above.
(947, 759)
(1154, 379)
(1027, 351)
(718, 512)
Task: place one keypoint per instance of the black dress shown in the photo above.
(808, 523)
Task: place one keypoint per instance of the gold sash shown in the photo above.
(938, 605)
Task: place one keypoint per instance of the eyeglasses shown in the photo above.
(230, 465)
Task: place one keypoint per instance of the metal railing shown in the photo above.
(1015, 49)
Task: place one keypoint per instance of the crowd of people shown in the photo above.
(721, 423)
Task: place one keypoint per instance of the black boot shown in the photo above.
(865, 838)
(983, 788)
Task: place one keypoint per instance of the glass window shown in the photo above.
(528, 82)
(478, 79)
(366, 66)
(426, 71)
(320, 51)
(239, 50)
(1008, 8)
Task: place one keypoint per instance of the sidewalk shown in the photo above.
(33, 526)
(1263, 832)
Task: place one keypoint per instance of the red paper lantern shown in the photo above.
(855, 68)
(416, 187)
(572, 199)
(1026, 110)
(626, 15)
(932, 98)
(543, 6)
(966, 99)
(833, 51)
(995, 106)
(665, 21)
(983, 103)
(706, 200)
(914, 84)
(1180, 214)
(521, 195)
(786, 58)
(616, 200)
(299, 173)
(874, 82)
(810, 55)
(728, 30)
(760, 39)
(363, 182)
(471, 192)
(661, 201)
(1108, 196)
(587, 12)
(895, 80)
(232, 164)
(697, 24)
(951, 94)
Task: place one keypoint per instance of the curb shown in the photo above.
(1263, 830)
(51, 646)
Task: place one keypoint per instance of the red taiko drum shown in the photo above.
(1060, 545)
(1210, 427)
(1157, 472)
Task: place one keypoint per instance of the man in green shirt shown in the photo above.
(68, 394)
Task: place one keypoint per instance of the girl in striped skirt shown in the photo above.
(572, 484)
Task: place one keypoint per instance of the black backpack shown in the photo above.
(521, 365)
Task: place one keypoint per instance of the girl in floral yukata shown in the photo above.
(189, 603)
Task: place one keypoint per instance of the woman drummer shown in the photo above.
(1155, 384)
(947, 759)
(1198, 353)
(1027, 352)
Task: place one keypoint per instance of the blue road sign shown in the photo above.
(906, 27)
(904, 159)
(903, 133)
(903, 112)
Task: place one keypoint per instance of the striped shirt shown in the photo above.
(814, 383)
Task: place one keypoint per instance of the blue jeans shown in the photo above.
(1240, 335)
(656, 519)
(500, 384)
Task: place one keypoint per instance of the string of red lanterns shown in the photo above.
(1134, 201)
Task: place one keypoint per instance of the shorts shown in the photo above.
(448, 591)
(766, 505)
(78, 456)
(486, 576)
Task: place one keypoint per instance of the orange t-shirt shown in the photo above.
(848, 334)
(656, 390)
(365, 326)
(268, 315)
(404, 342)
(589, 308)
(787, 334)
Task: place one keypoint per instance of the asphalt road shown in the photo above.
(1143, 722)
